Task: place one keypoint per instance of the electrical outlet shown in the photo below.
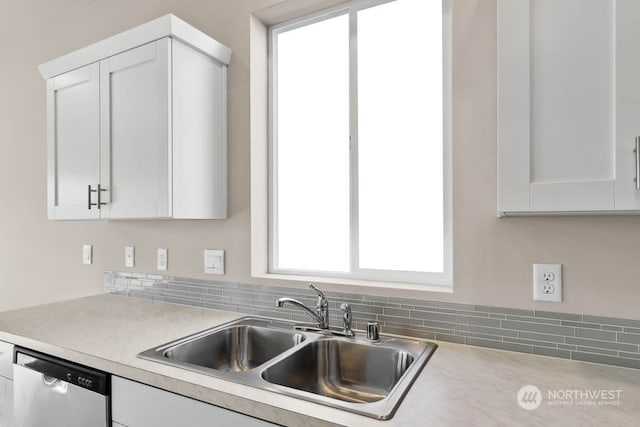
(163, 259)
(547, 282)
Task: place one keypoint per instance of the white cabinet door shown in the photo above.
(6, 360)
(568, 105)
(136, 131)
(628, 103)
(73, 142)
(138, 405)
(6, 402)
(6, 384)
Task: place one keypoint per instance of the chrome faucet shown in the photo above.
(321, 315)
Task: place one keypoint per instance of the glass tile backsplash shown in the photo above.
(607, 340)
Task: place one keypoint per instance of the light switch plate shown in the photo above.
(87, 254)
(214, 261)
(129, 256)
(163, 259)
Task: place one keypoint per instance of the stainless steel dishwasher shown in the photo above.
(50, 392)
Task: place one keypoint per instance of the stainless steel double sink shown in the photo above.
(354, 374)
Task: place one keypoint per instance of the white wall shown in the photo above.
(40, 261)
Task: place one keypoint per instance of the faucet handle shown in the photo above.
(318, 291)
(323, 302)
(322, 307)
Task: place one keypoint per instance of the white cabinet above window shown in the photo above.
(568, 106)
(137, 126)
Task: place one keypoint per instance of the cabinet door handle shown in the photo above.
(89, 191)
(637, 152)
(100, 202)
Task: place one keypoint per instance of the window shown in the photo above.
(359, 143)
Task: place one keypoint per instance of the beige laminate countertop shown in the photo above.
(460, 386)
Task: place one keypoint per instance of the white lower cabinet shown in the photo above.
(6, 402)
(6, 384)
(138, 405)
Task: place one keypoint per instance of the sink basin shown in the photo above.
(353, 374)
(342, 370)
(236, 347)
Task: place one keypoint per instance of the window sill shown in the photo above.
(440, 288)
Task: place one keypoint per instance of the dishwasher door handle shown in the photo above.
(55, 385)
(49, 381)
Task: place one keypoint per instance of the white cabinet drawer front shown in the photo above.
(138, 405)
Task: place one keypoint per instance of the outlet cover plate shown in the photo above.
(214, 261)
(162, 259)
(129, 256)
(87, 254)
(541, 285)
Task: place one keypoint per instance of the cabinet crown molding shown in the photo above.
(165, 26)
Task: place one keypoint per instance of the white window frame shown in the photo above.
(412, 279)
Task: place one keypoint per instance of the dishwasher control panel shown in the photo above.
(59, 370)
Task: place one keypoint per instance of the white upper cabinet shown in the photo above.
(568, 106)
(137, 126)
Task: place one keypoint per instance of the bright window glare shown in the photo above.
(400, 141)
(312, 229)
